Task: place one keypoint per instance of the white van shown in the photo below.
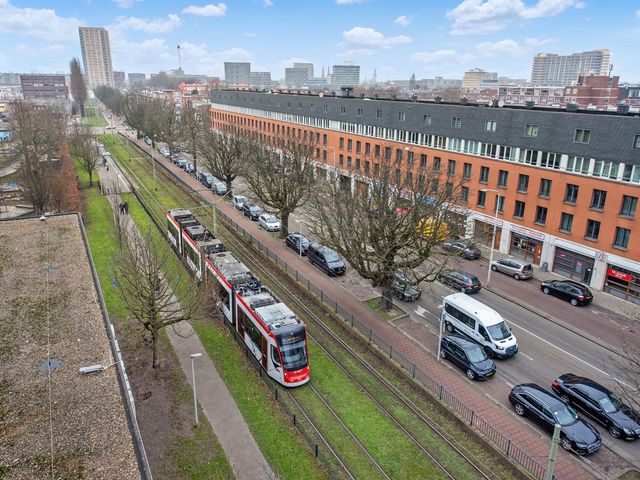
(466, 315)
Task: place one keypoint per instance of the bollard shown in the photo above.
(441, 390)
(509, 449)
(472, 414)
(294, 419)
(390, 351)
(414, 371)
(316, 451)
(276, 393)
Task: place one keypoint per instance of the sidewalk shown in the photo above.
(214, 399)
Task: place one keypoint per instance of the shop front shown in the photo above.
(483, 232)
(526, 244)
(623, 283)
(573, 265)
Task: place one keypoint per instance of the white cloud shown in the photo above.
(403, 20)
(349, 2)
(209, 10)
(42, 23)
(368, 38)
(157, 25)
(440, 57)
(580, 5)
(638, 13)
(502, 47)
(267, 3)
(37, 50)
(535, 42)
(125, 3)
(290, 61)
(151, 54)
(197, 57)
(486, 16)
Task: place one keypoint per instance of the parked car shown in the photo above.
(546, 409)
(269, 222)
(188, 167)
(297, 242)
(219, 186)
(573, 292)
(326, 259)
(165, 152)
(205, 178)
(148, 141)
(467, 355)
(110, 127)
(251, 210)
(238, 201)
(599, 403)
(462, 281)
(182, 163)
(405, 289)
(465, 250)
(517, 269)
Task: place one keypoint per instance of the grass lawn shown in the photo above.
(394, 313)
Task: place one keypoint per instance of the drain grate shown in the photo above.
(50, 365)
(47, 272)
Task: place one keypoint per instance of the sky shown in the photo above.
(396, 38)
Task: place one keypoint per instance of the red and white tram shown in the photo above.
(192, 240)
(271, 331)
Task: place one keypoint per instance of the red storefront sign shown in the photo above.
(619, 275)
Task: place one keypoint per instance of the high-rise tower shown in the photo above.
(96, 56)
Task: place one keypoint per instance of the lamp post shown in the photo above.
(495, 226)
(213, 211)
(193, 378)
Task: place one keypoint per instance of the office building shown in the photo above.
(260, 79)
(137, 79)
(44, 87)
(307, 66)
(473, 78)
(96, 56)
(593, 92)
(562, 187)
(8, 78)
(237, 73)
(551, 69)
(346, 75)
(118, 79)
(296, 77)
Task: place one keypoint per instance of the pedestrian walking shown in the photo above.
(126, 207)
(107, 167)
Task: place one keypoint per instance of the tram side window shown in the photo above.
(222, 294)
(172, 228)
(275, 357)
(193, 255)
(250, 329)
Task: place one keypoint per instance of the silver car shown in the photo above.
(517, 269)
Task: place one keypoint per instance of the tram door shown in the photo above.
(263, 349)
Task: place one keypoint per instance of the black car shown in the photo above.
(546, 409)
(467, 355)
(297, 242)
(465, 250)
(405, 289)
(326, 259)
(462, 281)
(599, 403)
(252, 211)
(573, 292)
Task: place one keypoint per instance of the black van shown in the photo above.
(326, 259)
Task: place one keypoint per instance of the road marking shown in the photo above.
(509, 384)
(420, 311)
(524, 355)
(572, 355)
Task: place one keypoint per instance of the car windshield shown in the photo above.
(611, 403)
(476, 354)
(565, 416)
(270, 219)
(331, 256)
(499, 331)
(255, 209)
(303, 241)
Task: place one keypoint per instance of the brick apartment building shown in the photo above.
(44, 87)
(591, 90)
(564, 184)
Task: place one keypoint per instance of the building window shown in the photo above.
(378, 113)
(398, 155)
(503, 176)
(582, 136)
(343, 110)
(367, 148)
(566, 221)
(387, 153)
(435, 184)
(426, 119)
(545, 188)
(571, 194)
(499, 203)
(482, 198)
(376, 151)
(451, 167)
(578, 164)
(456, 122)
(541, 215)
(376, 169)
(324, 139)
(464, 194)
(629, 205)
(598, 199)
(358, 146)
(466, 170)
(359, 112)
(367, 166)
(402, 116)
(436, 164)
(341, 143)
(341, 159)
(530, 130)
(621, 240)
(490, 126)
(410, 159)
(484, 174)
(523, 183)
(349, 161)
(349, 145)
(593, 230)
(518, 211)
(423, 160)
(636, 142)
(409, 179)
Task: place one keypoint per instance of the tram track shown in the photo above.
(324, 336)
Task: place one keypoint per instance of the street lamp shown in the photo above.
(495, 226)
(193, 378)
(213, 211)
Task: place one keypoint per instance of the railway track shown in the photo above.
(330, 342)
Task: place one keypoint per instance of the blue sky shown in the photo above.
(395, 37)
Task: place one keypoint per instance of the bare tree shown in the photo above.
(222, 152)
(282, 177)
(77, 87)
(190, 126)
(151, 290)
(83, 146)
(393, 219)
(37, 131)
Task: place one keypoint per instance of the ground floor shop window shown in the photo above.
(483, 233)
(573, 265)
(525, 247)
(623, 283)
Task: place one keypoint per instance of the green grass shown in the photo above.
(394, 313)
(93, 117)
(630, 475)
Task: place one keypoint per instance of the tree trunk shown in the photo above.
(90, 178)
(386, 300)
(284, 224)
(228, 182)
(154, 346)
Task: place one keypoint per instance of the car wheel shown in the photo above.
(443, 354)
(516, 276)
(471, 375)
(519, 409)
(574, 302)
(489, 352)
(494, 268)
(546, 291)
(566, 444)
(615, 431)
(463, 290)
(449, 327)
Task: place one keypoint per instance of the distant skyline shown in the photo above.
(396, 38)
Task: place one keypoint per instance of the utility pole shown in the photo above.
(554, 452)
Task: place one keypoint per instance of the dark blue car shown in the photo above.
(467, 355)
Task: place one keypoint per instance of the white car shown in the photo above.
(188, 167)
(110, 127)
(165, 152)
(239, 201)
(269, 222)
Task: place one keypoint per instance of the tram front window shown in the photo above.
(293, 348)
